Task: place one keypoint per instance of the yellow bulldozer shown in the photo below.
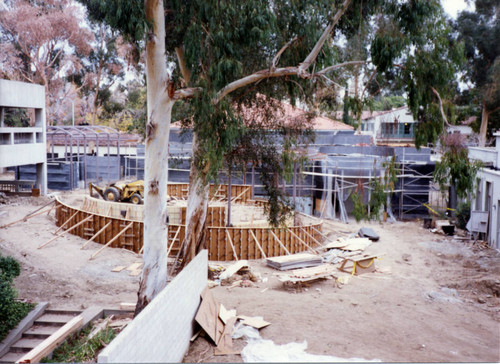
(132, 192)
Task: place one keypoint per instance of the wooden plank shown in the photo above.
(301, 241)
(279, 242)
(119, 268)
(173, 240)
(241, 194)
(95, 235)
(257, 242)
(49, 344)
(67, 221)
(66, 231)
(312, 237)
(111, 241)
(233, 268)
(232, 246)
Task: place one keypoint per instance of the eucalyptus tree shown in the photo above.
(225, 53)
(480, 31)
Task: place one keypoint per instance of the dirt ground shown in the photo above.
(432, 298)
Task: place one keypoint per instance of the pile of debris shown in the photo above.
(219, 323)
(238, 274)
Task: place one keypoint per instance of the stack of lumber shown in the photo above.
(308, 274)
(349, 244)
(294, 261)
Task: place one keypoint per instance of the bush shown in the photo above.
(11, 311)
(463, 214)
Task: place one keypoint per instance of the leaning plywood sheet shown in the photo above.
(308, 274)
(294, 261)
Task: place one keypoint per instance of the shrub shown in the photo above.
(463, 214)
(11, 311)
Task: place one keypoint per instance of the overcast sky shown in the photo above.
(452, 7)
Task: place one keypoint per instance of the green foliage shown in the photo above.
(11, 311)
(16, 118)
(463, 214)
(78, 348)
(379, 188)
(360, 210)
(383, 103)
(455, 168)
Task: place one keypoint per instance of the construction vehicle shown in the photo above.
(132, 192)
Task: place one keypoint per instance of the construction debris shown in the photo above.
(359, 264)
(294, 261)
(349, 244)
(233, 269)
(366, 232)
(323, 271)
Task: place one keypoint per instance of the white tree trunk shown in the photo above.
(159, 103)
(484, 126)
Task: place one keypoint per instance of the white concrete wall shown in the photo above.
(21, 94)
(15, 149)
(161, 332)
(493, 177)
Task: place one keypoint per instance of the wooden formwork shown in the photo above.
(239, 193)
(222, 243)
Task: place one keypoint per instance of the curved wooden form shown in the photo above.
(239, 193)
(248, 242)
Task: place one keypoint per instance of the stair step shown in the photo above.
(63, 312)
(40, 331)
(24, 345)
(11, 357)
(53, 320)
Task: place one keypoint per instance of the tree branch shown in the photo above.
(440, 106)
(319, 44)
(186, 73)
(280, 52)
(300, 71)
(331, 68)
(186, 93)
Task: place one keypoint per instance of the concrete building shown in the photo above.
(22, 146)
(488, 188)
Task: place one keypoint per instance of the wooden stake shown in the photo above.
(40, 208)
(312, 237)
(95, 235)
(302, 241)
(319, 232)
(232, 246)
(241, 194)
(66, 231)
(23, 219)
(257, 242)
(279, 241)
(112, 240)
(56, 207)
(63, 225)
(173, 241)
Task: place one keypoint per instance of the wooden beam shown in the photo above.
(173, 241)
(48, 345)
(319, 232)
(312, 237)
(232, 246)
(241, 194)
(67, 221)
(257, 242)
(66, 231)
(24, 218)
(279, 241)
(96, 235)
(301, 241)
(112, 240)
(215, 194)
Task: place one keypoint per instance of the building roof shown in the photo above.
(287, 114)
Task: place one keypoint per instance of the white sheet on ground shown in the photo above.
(260, 350)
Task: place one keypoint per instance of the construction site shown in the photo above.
(320, 287)
(328, 287)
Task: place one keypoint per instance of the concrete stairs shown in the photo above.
(47, 322)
